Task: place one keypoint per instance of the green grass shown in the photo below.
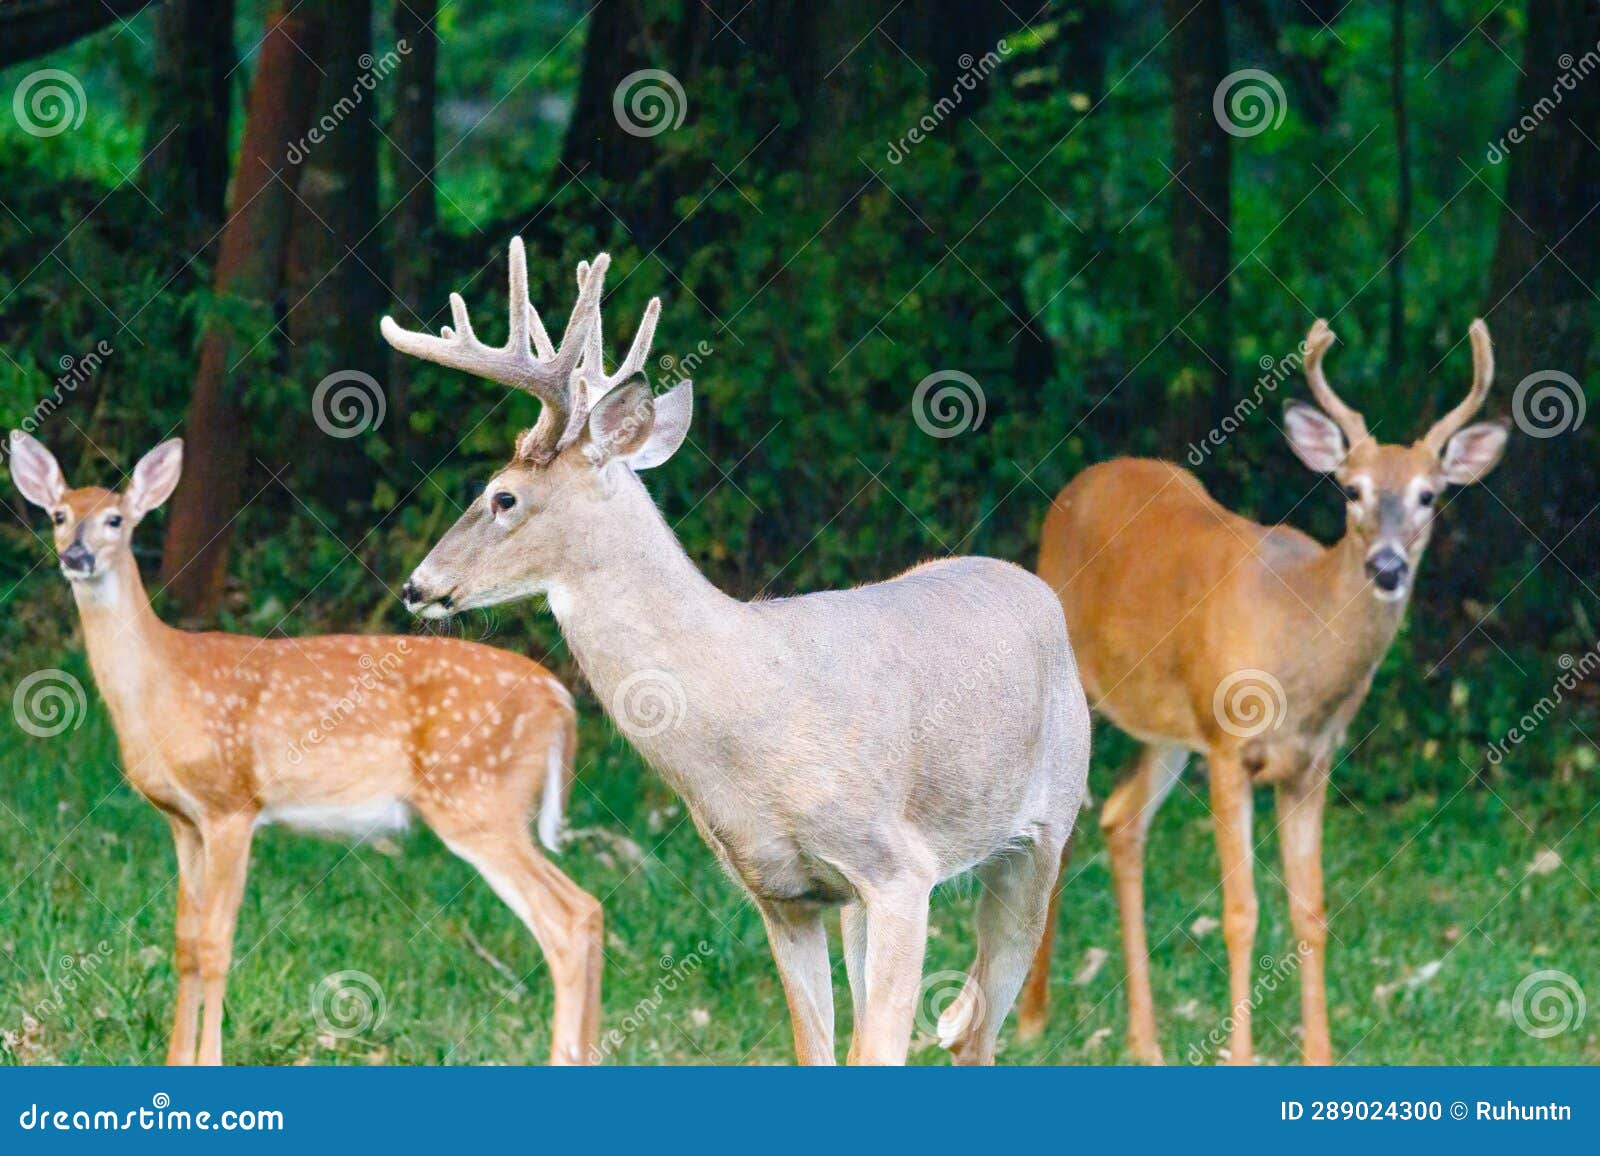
(1434, 879)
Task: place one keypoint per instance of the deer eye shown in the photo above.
(1425, 498)
(114, 521)
(1353, 493)
(504, 500)
(61, 517)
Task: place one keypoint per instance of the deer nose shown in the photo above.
(1387, 568)
(418, 598)
(409, 593)
(77, 559)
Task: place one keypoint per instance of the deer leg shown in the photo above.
(191, 868)
(565, 920)
(799, 941)
(897, 940)
(1231, 814)
(1017, 893)
(1034, 1011)
(1300, 815)
(227, 862)
(1125, 819)
(853, 930)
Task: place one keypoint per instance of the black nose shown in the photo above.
(1387, 569)
(413, 595)
(409, 593)
(77, 557)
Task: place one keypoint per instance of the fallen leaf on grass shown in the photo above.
(1096, 1038)
(1408, 982)
(1546, 861)
(1205, 925)
(1093, 960)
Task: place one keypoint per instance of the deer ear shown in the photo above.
(35, 471)
(629, 424)
(154, 478)
(1473, 452)
(673, 411)
(1314, 437)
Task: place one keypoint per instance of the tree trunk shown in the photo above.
(248, 277)
(333, 296)
(1539, 307)
(186, 137)
(1402, 205)
(30, 28)
(1201, 210)
(413, 149)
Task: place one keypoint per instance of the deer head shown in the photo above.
(542, 509)
(93, 527)
(1392, 491)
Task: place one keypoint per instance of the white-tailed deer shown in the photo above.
(1199, 630)
(338, 734)
(848, 748)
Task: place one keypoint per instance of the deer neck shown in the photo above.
(1356, 626)
(129, 647)
(629, 599)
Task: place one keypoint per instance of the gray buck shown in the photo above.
(1200, 630)
(850, 748)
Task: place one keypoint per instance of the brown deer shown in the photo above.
(1199, 630)
(337, 734)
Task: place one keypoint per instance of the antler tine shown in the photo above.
(1317, 343)
(547, 375)
(1482, 376)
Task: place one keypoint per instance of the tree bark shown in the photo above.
(333, 296)
(31, 28)
(248, 277)
(1540, 308)
(186, 137)
(1402, 206)
(414, 151)
(1201, 213)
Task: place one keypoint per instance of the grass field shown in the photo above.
(1439, 908)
